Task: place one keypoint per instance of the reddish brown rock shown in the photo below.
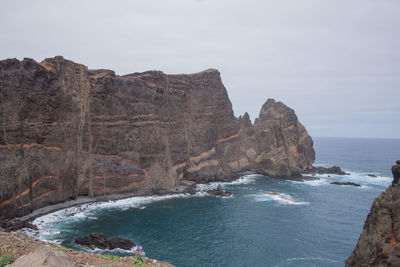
(379, 244)
(67, 131)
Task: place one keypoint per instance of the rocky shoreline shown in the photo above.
(184, 187)
(17, 223)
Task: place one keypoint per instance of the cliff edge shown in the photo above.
(379, 244)
(68, 131)
(21, 250)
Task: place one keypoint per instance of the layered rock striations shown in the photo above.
(379, 244)
(67, 131)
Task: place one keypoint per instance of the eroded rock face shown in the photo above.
(379, 244)
(67, 131)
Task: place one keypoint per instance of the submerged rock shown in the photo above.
(379, 244)
(372, 175)
(97, 240)
(345, 183)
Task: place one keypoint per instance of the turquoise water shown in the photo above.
(267, 222)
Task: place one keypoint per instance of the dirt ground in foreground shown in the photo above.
(19, 244)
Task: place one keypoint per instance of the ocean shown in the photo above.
(266, 222)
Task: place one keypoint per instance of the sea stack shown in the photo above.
(69, 131)
(379, 244)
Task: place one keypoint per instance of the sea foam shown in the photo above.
(311, 259)
(246, 179)
(48, 225)
(280, 198)
(361, 178)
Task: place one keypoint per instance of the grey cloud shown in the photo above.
(336, 63)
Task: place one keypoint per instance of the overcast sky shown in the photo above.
(336, 63)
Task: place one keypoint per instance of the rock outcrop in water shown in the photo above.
(97, 240)
(219, 192)
(67, 131)
(345, 183)
(330, 170)
(379, 244)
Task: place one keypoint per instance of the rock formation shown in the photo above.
(331, 170)
(219, 192)
(97, 240)
(345, 183)
(379, 244)
(67, 131)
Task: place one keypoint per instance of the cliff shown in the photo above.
(67, 131)
(379, 244)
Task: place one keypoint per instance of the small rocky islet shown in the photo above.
(219, 192)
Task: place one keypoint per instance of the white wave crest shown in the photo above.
(108, 251)
(246, 179)
(281, 198)
(49, 225)
(311, 258)
(316, 182)
(362, 178)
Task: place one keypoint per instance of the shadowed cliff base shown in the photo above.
(379, 244)
(68, 131)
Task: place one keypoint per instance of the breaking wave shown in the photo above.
(246, 179)
(362, 178)
(49, 225)
(281, 198)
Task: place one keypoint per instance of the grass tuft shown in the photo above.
(6, 259)
(61, 247)
(111, 257)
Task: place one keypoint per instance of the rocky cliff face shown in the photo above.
(67, 131)
(379, 244)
